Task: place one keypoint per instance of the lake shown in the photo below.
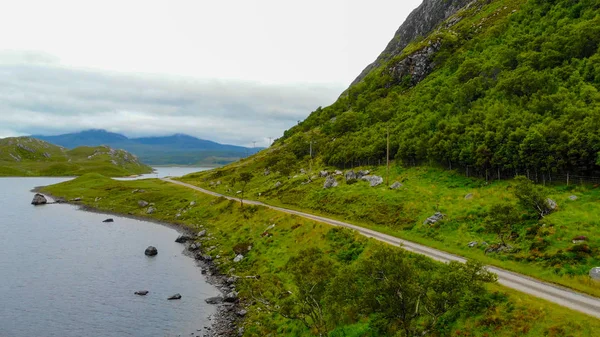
(63, 272)
(168, 171)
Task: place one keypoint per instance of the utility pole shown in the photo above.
(253, 144)
(388, 156)
(270, 140)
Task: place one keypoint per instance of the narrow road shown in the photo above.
(550, 292)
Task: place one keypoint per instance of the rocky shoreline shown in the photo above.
(225, 322)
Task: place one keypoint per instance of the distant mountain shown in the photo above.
(27, 156)
(175, 149)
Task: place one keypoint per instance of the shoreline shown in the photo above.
(224, 320)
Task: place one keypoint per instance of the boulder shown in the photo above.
(143, 203)
(373, 180)
(595, 273)
(192, 203)
(361, 174)
(151, 251)
(183, 238)
(573, 197)
(469, 196)
(242, 313)
(552, 204)
(201, 233)
(175, 297)
(150, 210)
(141, 292)
(472, 244)
(195, 246)
(231, 297)
(330, 182)
(266, 172)
(231, 280)
(434, 218)
(395, 186)
(39, 199)
(76, 199)
(350, 175)
(238, 258)
(214, 300)
(323, 174)
(277, 184)
(338, 173)
(109, 220)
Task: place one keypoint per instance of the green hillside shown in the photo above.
(501, 88)
(26, 156)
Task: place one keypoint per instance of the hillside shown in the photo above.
(498, 89)
(26, 156)
(175, 149)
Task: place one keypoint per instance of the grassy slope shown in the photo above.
(39, 158)
(519, 315)
(427, 190)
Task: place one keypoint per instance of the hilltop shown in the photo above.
(27, 156)
(175, 149)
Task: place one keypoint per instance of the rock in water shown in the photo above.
(330, 182)
(231, 297)
(183, 238)
(39, 199)
(395, 186)
(175, 297)
(141, 292)
(595, 273)
(151, 251)
(214, 300)
(109, 220)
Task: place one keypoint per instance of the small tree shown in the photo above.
(532, 197)
(244, 178)
(500, 220)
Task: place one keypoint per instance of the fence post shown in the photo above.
(567, 179)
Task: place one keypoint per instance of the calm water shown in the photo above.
(169, 171)
(65, 273)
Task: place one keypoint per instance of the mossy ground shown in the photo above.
(230, 226)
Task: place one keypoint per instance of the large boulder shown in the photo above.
(552, 204)
(109, 220)
(434, 218)
(151, 251)
(350, 175)
(231, 297)
(373, 180)
(39, 199)
(361, 174)
(330, 182)
(143, 203)
(595, 273)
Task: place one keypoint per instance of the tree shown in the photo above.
(532, 197)
(500, 220)
(243, 178)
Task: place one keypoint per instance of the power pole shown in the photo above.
(270, 140)
(253, 144)
(388, 156)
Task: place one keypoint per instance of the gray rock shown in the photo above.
(373, 180)
(242, 313)
(396, 186)
(231, 297)
(214, 300)
(350, 175)
(183, 238)
(434, 218)
(302, 171)
(143, 203)
(218, 182)
(267, 172)
(150, 210)
(76, 199)
(277, 184)
(330, 182)
(338, 173)
(142, 292)
(151, 251)
(573, 197)
(175, 297)
(238, 258)
(195, 246)
(472, 244)
(39, 199)
(323, 174)
(109, 220)
(201, 233)
(361, 174)
(469, 196)
(192, 203)
(231, 280)
(595, 273)
(552, 204)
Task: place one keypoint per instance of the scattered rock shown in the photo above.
(151, 251)
(183, 238)
(338, 173)
(330, 182)
(192, 203)
(323, 174)
(39, 199)
(350, 175)
(143, 203)
(141, 292)
(552, 204)
(469, 196)
(201, 233)
(267, 172)
(434, 218)
(175, 297)
(109, 220)
(361, 174)
(195, 246)
(595, 273)
(277, 184)
(242, 313)
(395, 186)
(214, 300)
(472, 244)
(238, 258)
(150, 210)
(573, 197)
(231, 280)
(76, 199)
(302, 171)
(373, 180)
(231, 297)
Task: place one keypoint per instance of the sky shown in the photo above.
(232, 71)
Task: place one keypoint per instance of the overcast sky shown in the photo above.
(232, 71)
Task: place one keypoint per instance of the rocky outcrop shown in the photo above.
(39, 199)
(151, 251)
(421, 22)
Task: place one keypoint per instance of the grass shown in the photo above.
(229, 226)
(26, 157)
(543, 249)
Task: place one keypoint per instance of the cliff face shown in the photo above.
(420, 22)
